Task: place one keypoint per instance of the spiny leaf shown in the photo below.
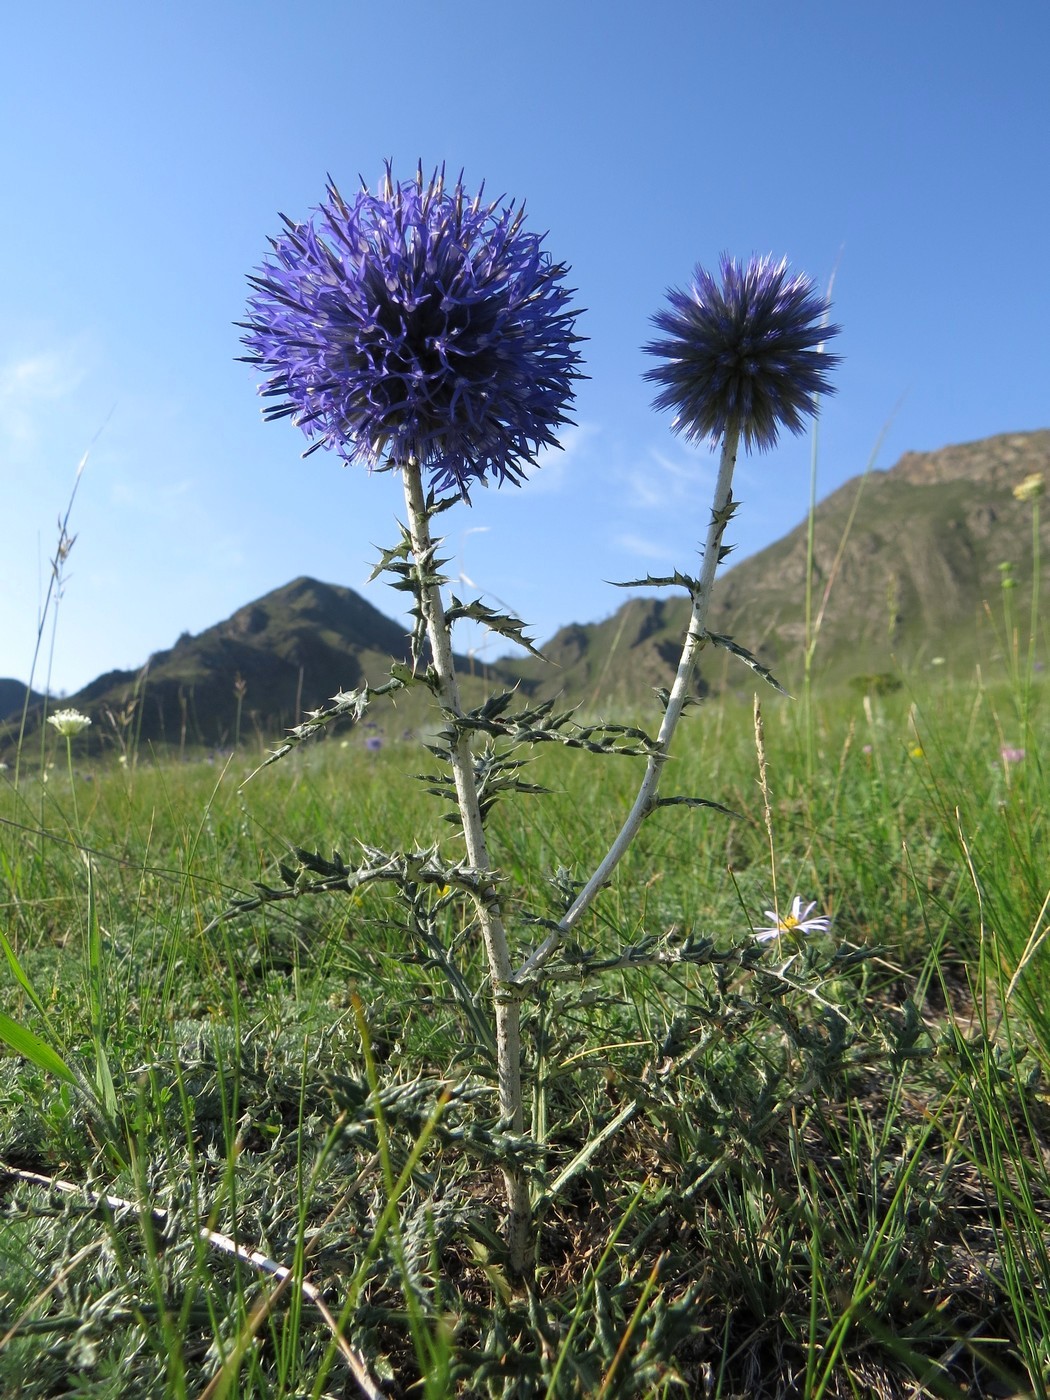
(675, 580)
(348, 704)
(393, 559)
(435, 506)
(746, 657)
(501, 623)
(724, 516)
(664, 696)
(540, 725)
(405, 869)
(696, 802)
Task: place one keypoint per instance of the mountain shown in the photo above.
(13, 697)
(286, 653)
(919, 577)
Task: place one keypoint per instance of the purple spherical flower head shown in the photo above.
(747, 352)
(419, 324)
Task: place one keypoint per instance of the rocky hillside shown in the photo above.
(274, 659)
(919, 578)
(909, 562)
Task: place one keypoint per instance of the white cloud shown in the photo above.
(31, 384)
(668, 481)
(149, 496)
(461, 573)
(644, 548)
(687, 470)
(549, 476)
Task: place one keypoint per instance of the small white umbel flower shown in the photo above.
(68, 722)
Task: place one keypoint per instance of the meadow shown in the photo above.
(258, 1156)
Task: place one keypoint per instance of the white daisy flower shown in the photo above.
(797, 922)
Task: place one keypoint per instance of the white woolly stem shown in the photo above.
(696, 636)
(507, 1006)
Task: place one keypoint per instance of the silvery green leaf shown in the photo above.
(719, 640)
(697, 802)
(501, 623)
(675, 580)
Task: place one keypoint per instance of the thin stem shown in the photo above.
(696, 635)
(54, 588)
(1033, 626)
(807, 676)
(507, 1005)
(73, 788)
(767, 807)
(811, 639)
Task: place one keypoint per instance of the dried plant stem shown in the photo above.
(696, 635)
(507, 1005)
(66, 541)
(224, 1243)
(1033, 629)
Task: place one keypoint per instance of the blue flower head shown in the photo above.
(748, 352)
(416, 323)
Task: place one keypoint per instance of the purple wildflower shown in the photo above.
(416, 323)
(373, 743)
(1009, 754)
(748, 352)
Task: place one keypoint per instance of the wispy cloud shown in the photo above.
(30, 386)
(644, 548)
(553, 464)
(150, 497)
(663, 481)
(462, 576)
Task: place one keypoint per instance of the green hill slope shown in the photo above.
(918, 582)
(919, 578)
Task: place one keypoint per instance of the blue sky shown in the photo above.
(147, 149)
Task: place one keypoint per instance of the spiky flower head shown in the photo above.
(68, 722)
(748, 352)
(417, 323)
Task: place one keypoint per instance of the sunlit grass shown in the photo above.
(854, 1202)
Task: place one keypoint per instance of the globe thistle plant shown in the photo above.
(418, 323)
(425, 331)
(741, 360)
(748, 352)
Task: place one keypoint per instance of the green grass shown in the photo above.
(742, 1189)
